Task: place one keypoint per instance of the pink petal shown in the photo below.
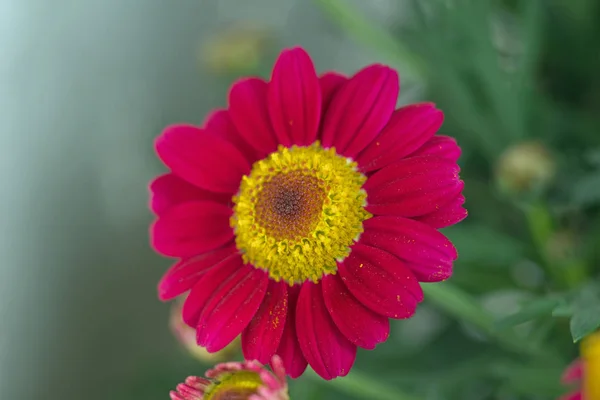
(440, 146)
(380, 281)
(427, 252)
(407, 130)
(289, 348)
(261, 338)
(219, 123)
(182, 276)
(231, 308)
(360, 109)
(169, 190)
(360, 325)
(192, 228)
(573, 373)
(330, 82)
(208, 161)
(327, 351)
(249, 112)
(412, 187)
(209, 283)
(294, 98)
(450, 214)
(574, 396)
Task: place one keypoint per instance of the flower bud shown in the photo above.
(237, 49)
(525, 167)
(187, 337)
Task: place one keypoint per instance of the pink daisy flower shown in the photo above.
(236, 381)
(305, 214)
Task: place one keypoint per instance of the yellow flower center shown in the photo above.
(590, 352)
(239, 385)
(298, 212)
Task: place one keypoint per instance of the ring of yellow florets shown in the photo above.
(234, 385)
(298, 212)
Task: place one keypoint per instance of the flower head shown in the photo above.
(305, 215)
(236, 381)
(585, 371)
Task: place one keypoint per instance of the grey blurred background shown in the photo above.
(85, 87)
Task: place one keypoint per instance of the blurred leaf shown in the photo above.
(586, 191)
(563, 310)
(481, 243)
(466, 308)
(373, 35)
(530, 380)
(532, 310)
(361, 386)
(586, 315)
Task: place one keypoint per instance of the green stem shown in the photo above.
(466, 308)
(361, 386)
(373, 35)
(541, 228)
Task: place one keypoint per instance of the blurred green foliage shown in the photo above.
(505, 73)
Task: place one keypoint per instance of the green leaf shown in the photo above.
(587, 190)
(585, 321)
(586, 316)
(480, 244)
(532, 310)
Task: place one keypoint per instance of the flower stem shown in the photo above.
(362, 386)
(466, 308)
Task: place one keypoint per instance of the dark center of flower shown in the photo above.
(298, 212)
(289, 205)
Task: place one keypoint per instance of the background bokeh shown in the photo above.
(86, 86)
